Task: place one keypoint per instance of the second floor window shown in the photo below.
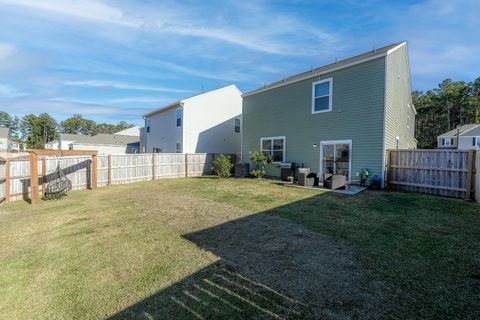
(322, 95)
(179, 117)
(148, 129)
(237, 125)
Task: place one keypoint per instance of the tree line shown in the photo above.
(33, 131)
(444, 108)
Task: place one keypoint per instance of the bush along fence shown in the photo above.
(111, 170)
(449, 173)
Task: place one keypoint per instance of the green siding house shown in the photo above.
(338, 119)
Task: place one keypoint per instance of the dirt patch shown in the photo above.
(321, 275)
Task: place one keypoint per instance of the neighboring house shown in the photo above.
(142, 140)
(4, 139)
(104, 143)
(464, 137)
(339, 118)
(14, 146)
(133, 131)
(207, 123)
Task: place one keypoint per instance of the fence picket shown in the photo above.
(440, 172)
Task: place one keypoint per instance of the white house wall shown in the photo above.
(164, 133)
(209, 122)
(102, 149)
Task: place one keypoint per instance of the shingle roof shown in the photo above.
(110, 139)
(102, 138)
(336, 65)
(460, 131)
(4, 132)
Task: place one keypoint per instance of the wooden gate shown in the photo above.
(448, 173)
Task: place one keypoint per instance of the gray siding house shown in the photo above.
(338, 118)
(465, 137)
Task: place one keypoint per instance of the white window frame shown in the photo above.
(271, 150)
(335, 142)
(445, 144)
(477, 141)
(239, 125)
(181, 117)
(330, 95)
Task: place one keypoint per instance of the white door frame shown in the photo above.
(335, 142)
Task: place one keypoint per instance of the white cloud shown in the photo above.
(6, 50)
(256, 30)
(7, 91)
(124, 86)
(84, 9)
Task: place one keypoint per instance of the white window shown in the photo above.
(179, 117)
(447, 142)
(178, 147)
(476, 141)
(148, 129)
(275, 147)
(322, 95)
(237, 125)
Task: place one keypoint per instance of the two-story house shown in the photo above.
(206, 123)
(464, 138)
(336, 119)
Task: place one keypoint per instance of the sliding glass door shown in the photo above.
(335, 158)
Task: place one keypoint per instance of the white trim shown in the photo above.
(335, 142)
(384, 151)
(239, 125)
(397, 47)
(276, 138)
(313, 75)
(330, 95)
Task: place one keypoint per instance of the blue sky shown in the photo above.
(116, 60)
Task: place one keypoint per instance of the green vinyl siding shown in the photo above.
(357, 114)
(400, 118)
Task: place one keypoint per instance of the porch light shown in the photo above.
(315, 144)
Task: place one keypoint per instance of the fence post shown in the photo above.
(477, 178)
(94, 171)
(44, 175)
(33, 177)
(468, 194)
(7, 180)
(186, 164)
(389, 169)
(109, 170)
(154, 165)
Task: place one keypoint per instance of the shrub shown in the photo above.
(260, 160)
(222, 166)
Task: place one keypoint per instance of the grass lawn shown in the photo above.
(208, 248)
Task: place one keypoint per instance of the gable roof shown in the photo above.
(107, 139)
(458, 131)
(4, 132)
(180, 102)
(361, 58)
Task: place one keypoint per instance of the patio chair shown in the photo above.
(334, 181)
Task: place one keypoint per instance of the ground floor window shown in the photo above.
(178, 147)
(476, 141)
(447, 142)
(275, 147)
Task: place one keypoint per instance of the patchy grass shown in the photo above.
(209, 248)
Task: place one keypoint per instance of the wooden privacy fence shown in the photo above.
(111, 170)
(449, 173)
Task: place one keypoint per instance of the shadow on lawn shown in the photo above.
(269, 268)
